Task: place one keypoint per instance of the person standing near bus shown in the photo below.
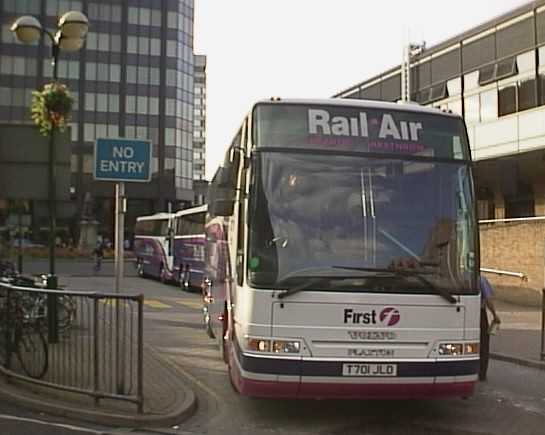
(487, 302)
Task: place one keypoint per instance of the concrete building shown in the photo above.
(494, 76)
(133, 78)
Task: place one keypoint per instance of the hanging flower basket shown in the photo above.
(51, 107)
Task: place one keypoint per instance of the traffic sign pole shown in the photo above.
(119, 234)
(119, 264)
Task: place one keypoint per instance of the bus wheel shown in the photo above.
(224, 336)
(162, 274)
(140, 268)
(184, 280)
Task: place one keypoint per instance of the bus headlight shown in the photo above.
(457, 349)
(270, 345)
(286, 346)
(258, 344)
(471, 348)
(451, 349)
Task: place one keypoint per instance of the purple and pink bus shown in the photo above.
(170, 246)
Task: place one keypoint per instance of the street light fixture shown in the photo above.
(69, 35)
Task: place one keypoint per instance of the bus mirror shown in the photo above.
(225, 176)
(223, 207)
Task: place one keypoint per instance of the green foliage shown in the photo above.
(51, 107)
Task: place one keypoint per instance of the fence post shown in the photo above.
(52, 313)
(95, 351)
(8, 322)
(140, 350)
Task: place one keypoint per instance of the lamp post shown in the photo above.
(69, 36)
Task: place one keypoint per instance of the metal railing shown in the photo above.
(97, 350)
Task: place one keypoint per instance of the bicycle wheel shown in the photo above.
(32, 352)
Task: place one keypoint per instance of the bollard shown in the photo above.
(52, 314)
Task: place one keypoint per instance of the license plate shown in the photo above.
(358, 369)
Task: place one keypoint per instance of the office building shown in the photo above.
(199, 124)
(494, 76)
(133, 78)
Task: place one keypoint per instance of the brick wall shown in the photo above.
(516, 247)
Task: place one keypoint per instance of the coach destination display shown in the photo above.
(122, 160)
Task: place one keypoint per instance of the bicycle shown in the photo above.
(22, 334)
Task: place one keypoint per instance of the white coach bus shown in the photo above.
(342, 252)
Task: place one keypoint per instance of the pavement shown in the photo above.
(169, 398)
(519, 338)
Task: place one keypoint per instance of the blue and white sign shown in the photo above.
(122, 160)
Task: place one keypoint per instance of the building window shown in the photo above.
(489, 105)
(130, 104)
(507, 100)
(89, 101)
(133, 15)
(155, 47)
(171, 48)
(132, 44)
(472, 109)
(154, 76)
(142, 102)
(143, 75)
(526, 61)
(113, 130)
(471, 81)
(115, 73)
(91, 71)
(89, 132)
(154, 106)
(172, 20)
(156, 17)
(113, 103)
(143, 45)
(115, 43)
(527, 97)
(131, 73)
(102, 103)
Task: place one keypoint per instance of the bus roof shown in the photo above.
(192, 210)
(156, 216)
(369, 104)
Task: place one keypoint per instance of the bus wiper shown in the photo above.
(292, 290)
(309, 281)
(405, 273)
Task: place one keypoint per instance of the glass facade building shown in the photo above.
(133, 78)
(199, 127)
(494, 76)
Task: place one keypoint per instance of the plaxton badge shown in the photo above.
(373, 353)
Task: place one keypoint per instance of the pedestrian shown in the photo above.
(99, 255)
(487, 302)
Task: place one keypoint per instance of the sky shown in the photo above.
(311, 48)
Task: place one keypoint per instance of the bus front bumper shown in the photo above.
(311, 379)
